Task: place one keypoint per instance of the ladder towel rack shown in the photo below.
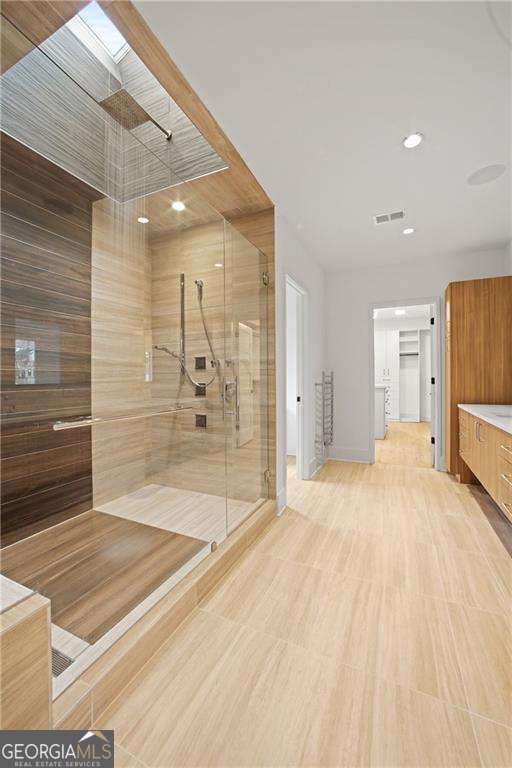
(324, 411)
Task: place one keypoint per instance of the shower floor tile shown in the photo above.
(200, 515)
(96, 568)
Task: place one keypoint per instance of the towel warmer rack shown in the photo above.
(324, 411)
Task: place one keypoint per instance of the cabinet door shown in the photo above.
(380, 355)
(485, 450)
(392, 355)
(467, 440)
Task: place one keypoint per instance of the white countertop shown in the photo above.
(498, 415)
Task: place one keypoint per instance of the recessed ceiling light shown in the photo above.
(413, 140)
(143, 220)
(178, 205)
(408, 231)
(487, 174)
(400, 312)
(218, 264)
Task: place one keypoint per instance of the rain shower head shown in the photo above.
(127, 112)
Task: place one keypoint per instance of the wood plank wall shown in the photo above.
(46, 299)
(478, 350)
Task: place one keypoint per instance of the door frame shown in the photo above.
(303, 407)
(436, 372)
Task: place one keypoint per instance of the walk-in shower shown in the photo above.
(134, 360)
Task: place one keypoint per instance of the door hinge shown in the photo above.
(432, 321)
(433, 440)
(265, 279)
(267, 476)
(432, 380)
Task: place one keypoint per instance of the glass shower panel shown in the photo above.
(158, 356)
(245, 384)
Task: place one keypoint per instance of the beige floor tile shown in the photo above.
(157, 698)
(494, 743)
(347, 628)
(303, 541)
(413, 566)
(123, 759)
(501, 566)
(369, 723)
(403, 563)
(242, 591)
(484, 648)
(363, 555)
(487, 539)
(406, 523)
(470, 580)
(454, 531)
(416, 646)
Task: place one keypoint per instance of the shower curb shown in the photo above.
(96, 688)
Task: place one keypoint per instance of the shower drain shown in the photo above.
(60, 662)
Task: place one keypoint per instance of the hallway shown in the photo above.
(406, 444)
(368, 627)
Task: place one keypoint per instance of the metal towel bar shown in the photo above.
(85, 421)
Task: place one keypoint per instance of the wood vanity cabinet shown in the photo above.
(478, 357)
(487, 451)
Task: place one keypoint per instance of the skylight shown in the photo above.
(108, 35)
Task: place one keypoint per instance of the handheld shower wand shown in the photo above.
(215, 361)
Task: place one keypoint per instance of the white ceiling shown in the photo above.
(317, 96)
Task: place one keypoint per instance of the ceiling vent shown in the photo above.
(382, 218)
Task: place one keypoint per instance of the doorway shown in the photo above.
(405, 426)
(295, 363)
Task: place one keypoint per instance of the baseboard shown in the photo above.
(341, 453)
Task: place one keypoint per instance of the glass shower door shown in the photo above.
(245, 384)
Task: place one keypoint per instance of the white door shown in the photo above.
(245, 405)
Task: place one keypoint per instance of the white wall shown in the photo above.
(292, 259)
(291, 371)
(349, 295)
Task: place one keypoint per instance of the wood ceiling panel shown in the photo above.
(38, 19)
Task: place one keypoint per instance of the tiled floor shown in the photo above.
(200, 515)
(370, 626)
(406, 443)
